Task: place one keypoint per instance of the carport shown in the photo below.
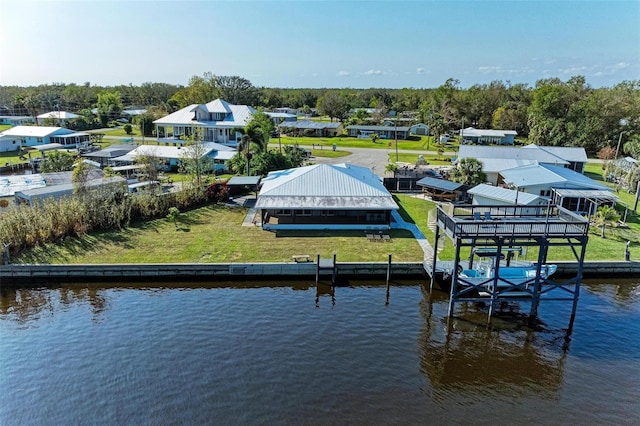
(237, 184)
(440, 189)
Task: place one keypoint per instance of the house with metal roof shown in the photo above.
(565, 187)
(58, 117)
(216, 121)
(16, 120)
(169, 156)
(489, 195)
(33, 196)
(575, 156)
(383, 132)
(496, 159)
(325, 129)
(488, 136)
(104, 156)
(281, 117)
(325, 196)
(33, 136)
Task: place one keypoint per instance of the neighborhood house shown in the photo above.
(218, 121)
(488, 136)
(325, 196)
(32, 136)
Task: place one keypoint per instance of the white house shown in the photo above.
(58, 117)
(171, 156)
(489, 195)
(488, 136)
(325, 196)
(27, 136)
(281, 117)
(571, 190)
(496, 159)
(216, 121)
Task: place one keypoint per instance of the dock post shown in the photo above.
(434, 264)
(335, 271)
(317, 269)
(388, 278)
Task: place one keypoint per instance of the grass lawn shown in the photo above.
(609, 248)
(433, 160)
(4, 127)
(119, 131)
(214, 234)
(417, 143)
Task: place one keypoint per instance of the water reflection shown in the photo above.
(512, 356)
(26, 304)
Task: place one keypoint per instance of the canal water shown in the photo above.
(293, 353)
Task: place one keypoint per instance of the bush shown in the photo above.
(128, 129)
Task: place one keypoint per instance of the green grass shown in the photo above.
(5, 127)
(329, 153)
(135, 131)
(433, 160)
(214, 234)
(416, 143)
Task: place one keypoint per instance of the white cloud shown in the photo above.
(487, 70)
(420, 70)
(374, 72)
(619, 66)
(572, 70)
(499, 70)
(343, 73)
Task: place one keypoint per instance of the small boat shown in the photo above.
(516, 280)
(511, 280)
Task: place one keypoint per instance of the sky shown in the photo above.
(316, 44)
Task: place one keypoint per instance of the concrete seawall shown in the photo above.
(37, 275)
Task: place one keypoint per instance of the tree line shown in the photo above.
(552, 112)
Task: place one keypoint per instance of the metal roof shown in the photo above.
(587, 193)
(478, 133)
(568, 153)
(244, 181)
(333, 186)
(309, 124)
(495, 165)
(174, 152)
(236, 115)
(500, 152)
(59, 115)
(36, 131)
(544, 174)
(506, 195)
(441, 184)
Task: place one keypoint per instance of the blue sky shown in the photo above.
(358, 44)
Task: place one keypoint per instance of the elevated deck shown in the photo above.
(474, 221)
(497, 232)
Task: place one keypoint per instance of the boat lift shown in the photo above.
(492, 231)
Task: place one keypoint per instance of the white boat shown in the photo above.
(514, 278)
(511, 280)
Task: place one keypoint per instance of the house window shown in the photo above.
(545, 193)
(328, 213)
(285, 212)
(39, 140)
(303, 212)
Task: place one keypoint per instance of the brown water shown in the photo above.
(291, 353)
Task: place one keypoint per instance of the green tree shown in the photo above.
(174, 215)
(194, 161)
(468, 172)
(57, 161)
(334, 105)
(606, 215)
(632, 147)
(109, 106)
(127, 129)
(80, 177)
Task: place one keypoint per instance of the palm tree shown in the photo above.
(468, 172)
(252, 140)
(606, 215)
